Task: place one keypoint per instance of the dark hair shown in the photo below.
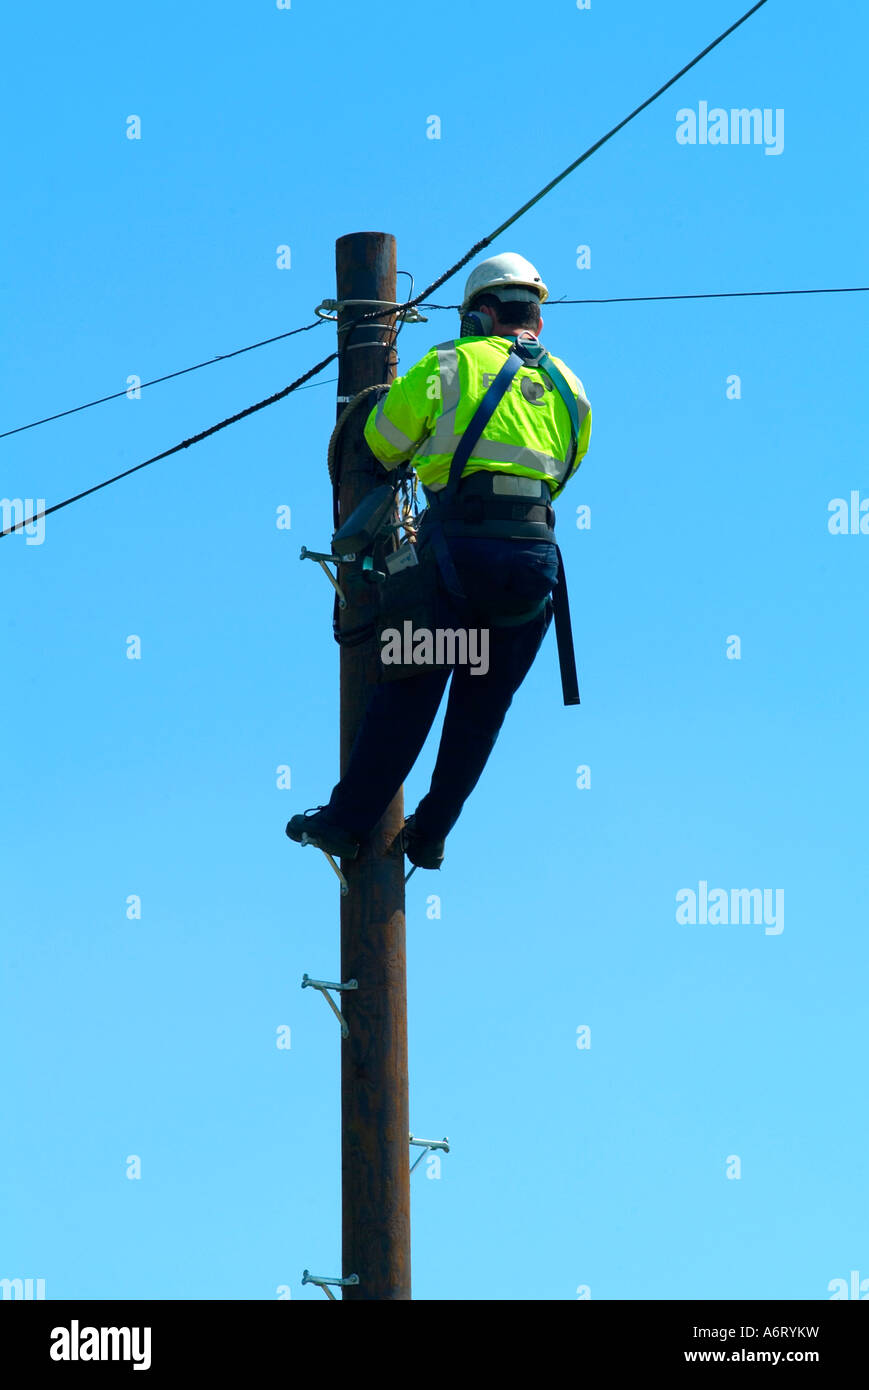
(513, 313)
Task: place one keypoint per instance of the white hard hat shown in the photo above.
(509, 276)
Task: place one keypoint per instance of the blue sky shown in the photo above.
(603, 1167)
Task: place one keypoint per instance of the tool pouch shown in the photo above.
(411, 605)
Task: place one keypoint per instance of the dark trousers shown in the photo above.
(493, 574)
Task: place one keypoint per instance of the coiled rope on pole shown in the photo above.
(348, 410)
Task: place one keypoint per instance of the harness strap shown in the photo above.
(481, 417)
(465, 447)
(556, 376)
(564, 637)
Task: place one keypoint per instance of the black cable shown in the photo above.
(621, 125)
(620, 299)
(723, 294)
(176, 448)
(399, 322)
(658, 298)
(487, 240)
(223, 357)
(414, 301)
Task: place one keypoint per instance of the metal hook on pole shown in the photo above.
(322, 558)
(428, 1146)
(324, 986)
(323, 1281)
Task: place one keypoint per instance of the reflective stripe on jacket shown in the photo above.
(427, 410)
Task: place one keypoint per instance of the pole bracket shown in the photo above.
(345, 887)
(323, 1281)
(323, 560)
(427, 1146)
(307, 840)
(324, 986)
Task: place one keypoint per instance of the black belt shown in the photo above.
(508, 528)
(477, 509)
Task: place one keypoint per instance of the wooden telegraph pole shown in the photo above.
(375, 1126)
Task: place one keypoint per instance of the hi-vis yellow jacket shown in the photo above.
(427, 410)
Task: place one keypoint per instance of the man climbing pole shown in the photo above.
(494, 427)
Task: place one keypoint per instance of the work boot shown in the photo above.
(425, 854)
(314, 827)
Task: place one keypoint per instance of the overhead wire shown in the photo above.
(592, 149)
(176, 448)
(155, 381)
(717, 294)
(414, 300)
(659, 298)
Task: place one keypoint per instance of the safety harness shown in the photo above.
(500, 518)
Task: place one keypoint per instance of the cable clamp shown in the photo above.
(335, 306)
(428, 1146)
(323, 1281)
(324, 986)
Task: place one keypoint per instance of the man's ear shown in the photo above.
(540, 326)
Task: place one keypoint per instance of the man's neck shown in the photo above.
(503, 331)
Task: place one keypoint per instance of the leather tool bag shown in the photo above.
(410, 603)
